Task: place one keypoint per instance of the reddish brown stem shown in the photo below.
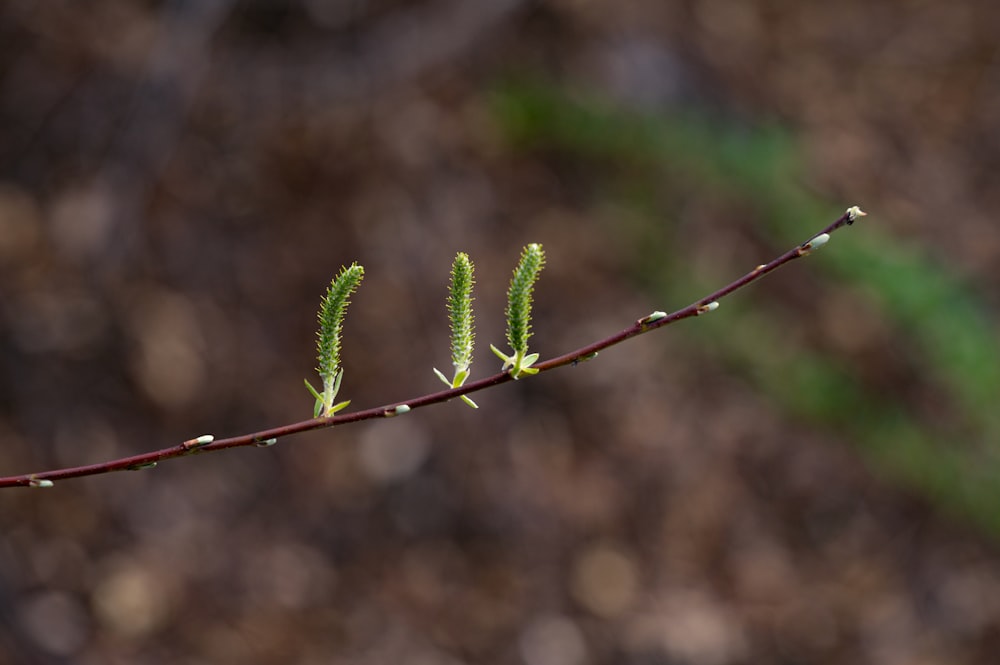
(198, 446)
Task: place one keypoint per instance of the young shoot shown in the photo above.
(522, 286)
(462, 325)
(331, 326)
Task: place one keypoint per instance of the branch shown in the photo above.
(207, 443)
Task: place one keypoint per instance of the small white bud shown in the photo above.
(266, 443)
(398, 411)
(814, 244)
(39, 482)
(818, 241)
(708, 307)
(853, 213)
(655, 316)
(142, 467)
(202, 440)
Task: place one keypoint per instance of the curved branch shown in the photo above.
(207, 443)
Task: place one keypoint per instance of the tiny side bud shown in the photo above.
(202, 440)
(397, 411)
(708, 307)
(142, 467)
(819, 241)
(39, 482)
(651, 318)
(814, 244)
(265, 443)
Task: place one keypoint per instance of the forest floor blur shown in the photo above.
(775, 483)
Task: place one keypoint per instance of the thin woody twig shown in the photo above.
(207, 443)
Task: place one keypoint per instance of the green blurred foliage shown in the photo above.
(934, 316)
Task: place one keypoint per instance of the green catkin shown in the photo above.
(331, 320)
(460, 312)
(522, 286)
(331, 326)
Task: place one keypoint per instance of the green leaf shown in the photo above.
(318, 407)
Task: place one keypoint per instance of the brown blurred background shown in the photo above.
(807, 476)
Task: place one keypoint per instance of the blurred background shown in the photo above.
(809, 475)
